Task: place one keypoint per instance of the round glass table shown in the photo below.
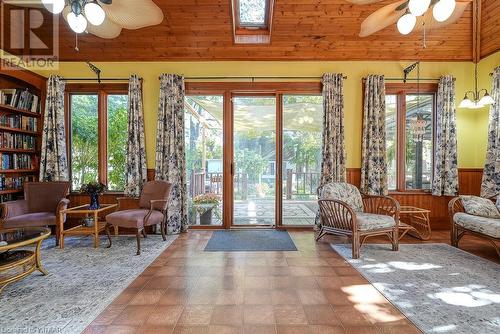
(20, 253)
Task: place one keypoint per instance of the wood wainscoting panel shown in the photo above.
(469, 182)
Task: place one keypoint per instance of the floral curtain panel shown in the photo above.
(445, 176)
(373, 151)
(333, 148)
(170, 150)
(53, 157)
(136, 169)
(491, 175)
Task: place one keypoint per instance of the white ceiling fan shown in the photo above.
(102, 18)
(410, 15)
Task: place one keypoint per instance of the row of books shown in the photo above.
(19, 122)
(17, 141)
(14, 182)
(20, 98)
(17, 161)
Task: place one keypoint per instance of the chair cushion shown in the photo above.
(487, 226)
(31, 219)
(371, 221)
(479, 206)
(345, 192)
(134, 218)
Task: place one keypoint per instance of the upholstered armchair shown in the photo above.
(345, 212)
(151, 210)
(474, 216)
(40, 207)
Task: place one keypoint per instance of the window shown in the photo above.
(98, 136)
(252, 20)
(410, 136)
(252, 12)
(203, 137)
(302, 139)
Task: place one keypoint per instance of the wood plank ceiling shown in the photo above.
(302, 30)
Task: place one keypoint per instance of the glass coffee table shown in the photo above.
(16, 263)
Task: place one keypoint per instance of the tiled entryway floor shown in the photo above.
(312, 290)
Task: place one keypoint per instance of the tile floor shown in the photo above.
(312, 290)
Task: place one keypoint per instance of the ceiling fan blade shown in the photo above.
(108, 29)
(24, 3)
(363, 2)
(134, 14)
(380, 19)
(431, 23)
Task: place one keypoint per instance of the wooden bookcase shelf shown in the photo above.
(10, 191)
(23, 112)
(14, 171)
(18, 150)
(22, 80)
(16, 130)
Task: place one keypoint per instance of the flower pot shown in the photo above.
(88, 221)
(206, 218)
(94, 202)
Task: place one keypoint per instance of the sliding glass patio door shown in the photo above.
(253, 154)
(254, 160)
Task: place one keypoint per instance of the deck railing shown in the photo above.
(296, 183)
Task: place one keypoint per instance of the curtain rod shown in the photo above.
(411, 79)
(95, 79)
(253, 78)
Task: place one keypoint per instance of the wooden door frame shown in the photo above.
(228, 90)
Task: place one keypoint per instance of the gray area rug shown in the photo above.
(440, 288)
(250, 240)
(82, 281)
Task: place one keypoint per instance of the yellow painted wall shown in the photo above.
(472, 124)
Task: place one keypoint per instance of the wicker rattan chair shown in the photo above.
(463, 223)
(345, 212)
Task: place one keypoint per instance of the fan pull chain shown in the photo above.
(425, 36)
(76, 43)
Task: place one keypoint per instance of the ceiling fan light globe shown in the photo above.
(443, 10)
(77, 23)
(54, 6)
(406, 23)
(486, 100)
(418, 7)
(94, 13)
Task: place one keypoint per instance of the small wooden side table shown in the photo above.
(415, 222)
(82, 229)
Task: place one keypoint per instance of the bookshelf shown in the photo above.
(22, 100)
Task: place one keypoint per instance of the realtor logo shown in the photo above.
(29, 35)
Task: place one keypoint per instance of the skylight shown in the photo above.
(252, 12)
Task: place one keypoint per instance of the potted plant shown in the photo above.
(93, 189)
(204, 204)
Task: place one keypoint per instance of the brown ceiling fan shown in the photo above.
(434, 13)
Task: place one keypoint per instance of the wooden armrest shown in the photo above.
(382, 205)
(337, 214)
(158, 204)
(13, 209)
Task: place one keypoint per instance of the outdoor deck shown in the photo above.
(261, 212)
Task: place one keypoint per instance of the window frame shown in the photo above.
(247, 33)
(102, 91)
(401, 90)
